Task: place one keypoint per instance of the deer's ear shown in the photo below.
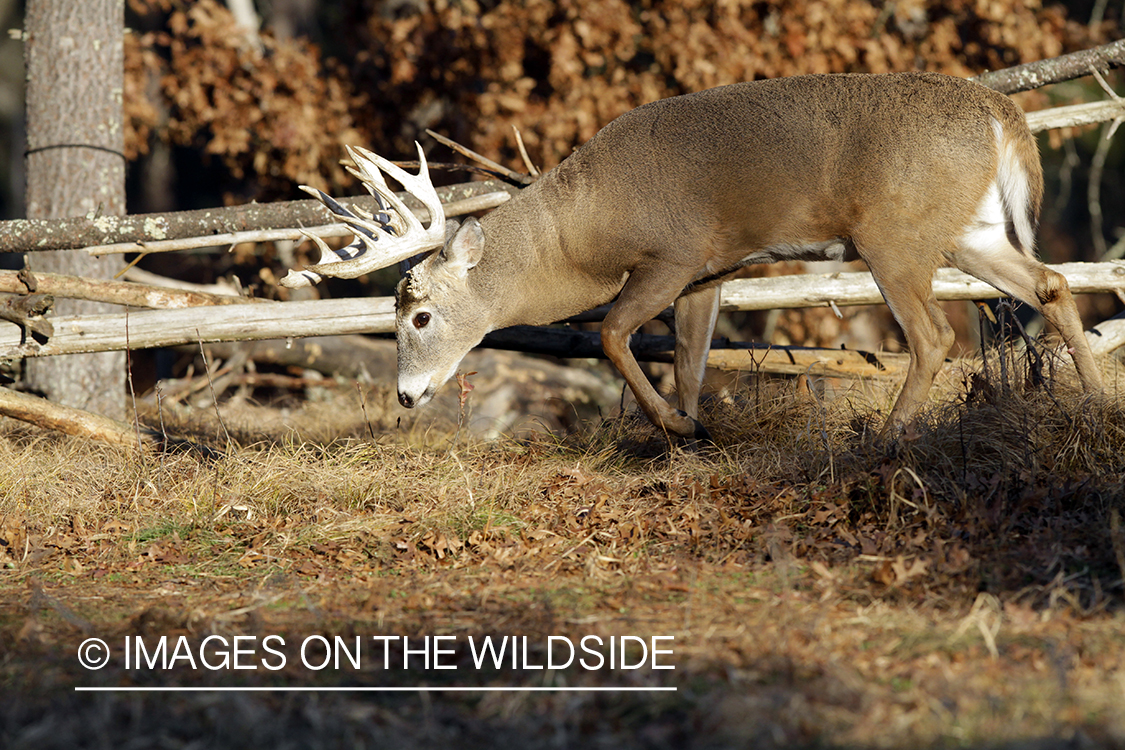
(463, 252)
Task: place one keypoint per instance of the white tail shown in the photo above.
(906, 171)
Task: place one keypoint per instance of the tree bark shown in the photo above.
(1055, 70)
(76, 166)
(125, 293)
(27, 235)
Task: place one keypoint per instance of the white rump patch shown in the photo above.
(987, 233)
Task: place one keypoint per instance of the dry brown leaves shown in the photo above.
(269, 109)
(557, 70)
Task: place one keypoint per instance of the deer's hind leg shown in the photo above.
(908, 289)
(988, 254)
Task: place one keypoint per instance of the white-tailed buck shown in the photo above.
(907, 171)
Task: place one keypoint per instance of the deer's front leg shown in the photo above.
(696, 314)
(642, 298)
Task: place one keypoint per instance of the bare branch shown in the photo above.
(78, 422)
(511, 174)
(1055, 70)
(480, 202)
(29, 235)
(1074, 115)
(115, 292)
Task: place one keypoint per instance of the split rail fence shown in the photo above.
(193, 316)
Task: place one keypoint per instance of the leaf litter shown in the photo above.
(960, 586)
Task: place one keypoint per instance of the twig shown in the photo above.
(363, 407)
(531, 168)
(1094, 195)
(214, 398)
(1113, 97)
(129, 380)
(510, 174)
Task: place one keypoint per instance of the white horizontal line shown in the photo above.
(424, 689)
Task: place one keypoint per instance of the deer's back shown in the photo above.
(766, 161)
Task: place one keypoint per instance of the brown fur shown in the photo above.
(892, 169)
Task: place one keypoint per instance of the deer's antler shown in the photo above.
(391, 235)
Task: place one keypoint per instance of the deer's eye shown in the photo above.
(421, 320)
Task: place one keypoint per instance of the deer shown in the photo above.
(905, 171)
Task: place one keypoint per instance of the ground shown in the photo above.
(810, 584)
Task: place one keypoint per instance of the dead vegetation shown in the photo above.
(962, 586)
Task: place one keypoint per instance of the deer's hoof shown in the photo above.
(699, 435)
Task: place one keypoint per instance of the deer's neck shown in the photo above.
(536, 266)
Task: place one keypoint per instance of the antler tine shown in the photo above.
(345, 214)
(381, 248)
(367, 170)
(389, 215)
(325, 251)
(419, 185)
(298, 279)
(307, 277)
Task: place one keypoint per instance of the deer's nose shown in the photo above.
(406, 400)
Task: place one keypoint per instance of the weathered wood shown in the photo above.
(461, 207)
(155, 328)
(858, 288)
(1055, 70)
(151, 328)
(115, 292)
(1108, 336)
(71, 421)
(1075, 115)
(27, 235)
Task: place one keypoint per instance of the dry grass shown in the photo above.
(959, 587)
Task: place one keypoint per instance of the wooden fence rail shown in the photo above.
(278, 320)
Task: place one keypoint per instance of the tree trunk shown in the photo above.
(75, 167)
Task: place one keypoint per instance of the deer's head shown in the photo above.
(438, 318)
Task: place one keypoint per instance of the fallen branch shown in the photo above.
(1108, 336)
(455, 208)
(1074, 115)
(158, 328)
(858, 288)
(114, 292)
(71, 421)
(222, 288)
